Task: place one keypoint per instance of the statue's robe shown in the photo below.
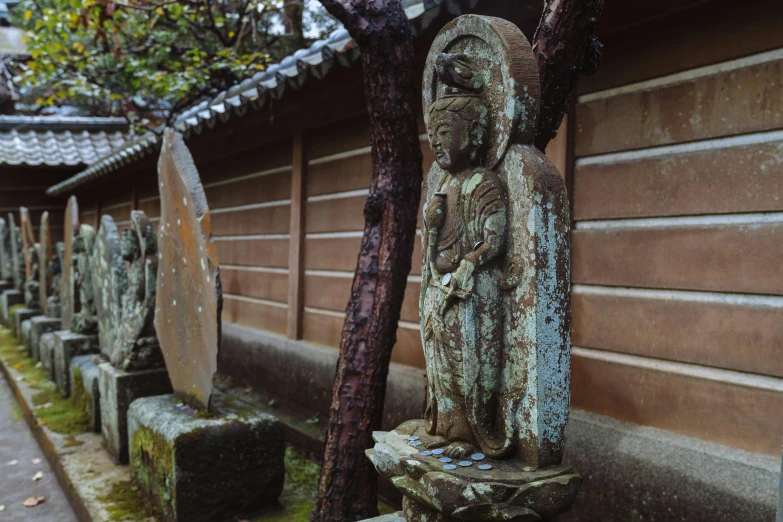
(463, 342)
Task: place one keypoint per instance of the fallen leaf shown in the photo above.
(35, 461)
(38, 476)
(39, 364)
(44, 405)
(13, 463)
(19, 379)
(18, 366)
(34, 501)
(2, 507)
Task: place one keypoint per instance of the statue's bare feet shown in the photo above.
(459, 450)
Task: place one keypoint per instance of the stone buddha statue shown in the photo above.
(494, 304)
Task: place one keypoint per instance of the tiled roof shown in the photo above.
(271, 84)
(54, 141)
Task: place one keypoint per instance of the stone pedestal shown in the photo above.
(40, 325)
(473, 489)
(46, 345)
(118, 389)
(21, 315)
(201, 468)
(8, 299)
(67, 346)
(391, 517)
(5, 285)
(85, 391)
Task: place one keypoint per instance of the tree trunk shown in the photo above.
(347, 486)
(567, 49)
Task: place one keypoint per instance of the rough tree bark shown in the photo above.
(567, 49)
(347, 486)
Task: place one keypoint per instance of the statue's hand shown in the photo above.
(435, 214)
(463, 276)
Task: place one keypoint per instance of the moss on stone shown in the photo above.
(151, 462)
(124, 501)
(61, 415)
(79, 396)
(12, 318)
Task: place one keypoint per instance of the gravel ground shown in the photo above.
(20, 460)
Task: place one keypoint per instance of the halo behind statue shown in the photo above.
(499, 49)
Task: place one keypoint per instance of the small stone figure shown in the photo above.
(18, 272)
(494, 302)
(6, 271)
(54, 271)
(139, 347)
(85, 322)
(32, 284)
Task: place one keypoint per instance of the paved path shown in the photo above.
(20, 460)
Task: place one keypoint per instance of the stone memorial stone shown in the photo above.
(44, 258)
(68, 345)
(54, 273)
(39, 325)
(85, 389)
(69, 303)
(189, 298)
(494, 303)
(9, 299)
(46, 345)
(125, 304)
(199, 455)
(17, 254)
(6, 270)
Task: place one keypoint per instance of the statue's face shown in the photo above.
(450, 140)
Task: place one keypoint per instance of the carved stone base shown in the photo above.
(508, 491)
(8, 299)
(21, 315)
(118, 389)
(40, 325)
(5, 285)
(84, 388)
(25, 334)
(67, 346)
(199, 468)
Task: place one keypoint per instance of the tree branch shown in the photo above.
(567, 49)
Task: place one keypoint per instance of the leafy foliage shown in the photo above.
(146, 59)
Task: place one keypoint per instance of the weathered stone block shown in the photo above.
(8, 299)
(46, 353)
(6, 285)
(25, 337)
(391, 517)
(21, 315)
(118, 389)
(85, 390)
(200, 468)
(67, 346)
(40, 325)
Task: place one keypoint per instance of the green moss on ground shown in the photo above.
(125, 502)
(59, 414)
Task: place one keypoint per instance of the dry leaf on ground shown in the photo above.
(35, 461)
(34, 501)
(38, 476)
(13, 463)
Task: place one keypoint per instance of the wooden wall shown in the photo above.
(678, 234)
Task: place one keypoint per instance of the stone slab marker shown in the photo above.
(17, 255)
(494, 304)
(199, 455)
(5, 252)
(44, 258)
(69, 303)
(189, 298)
(110, 280)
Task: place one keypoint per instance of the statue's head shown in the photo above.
(459, 119)
(131, 250)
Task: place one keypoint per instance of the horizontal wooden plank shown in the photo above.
(731, 179)
(265, 220)
(341, 175)
(151, 207)
(734, 415)
(325, 330)
(333, 292)
(255, 315)
(118, 214)
(742, 258)
(710, 32)
(724, 104)
(341, 253)
(272, 286)
(253, 252)
(348, 134)
(247, 162)
(335, 215)
(271, 187)
(701, 328)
